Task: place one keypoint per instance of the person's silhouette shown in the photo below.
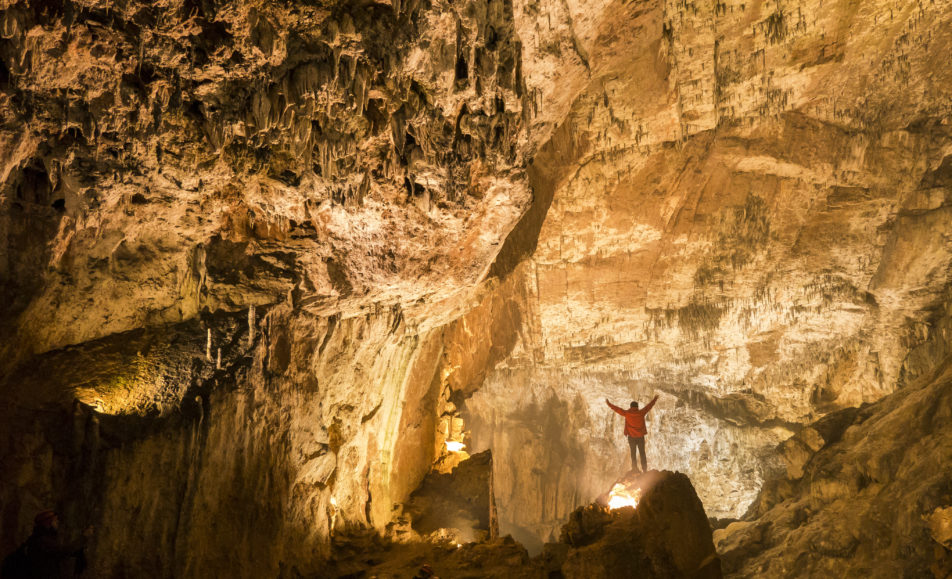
(635, 430)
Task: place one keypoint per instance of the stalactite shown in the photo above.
(252, 323)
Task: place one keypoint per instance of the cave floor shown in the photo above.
(372, 557)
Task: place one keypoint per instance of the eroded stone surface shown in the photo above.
(869, 500)
(667, 535)
(748, 203)
(870, 503)
(460, 500)
(162, 159)
(339, 176)
(281, 253)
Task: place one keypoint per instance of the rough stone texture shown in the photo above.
(255, 449)
(399, 222)
(870, 504)
(667, 535)
(340, 178)
(461, 500)
(940, 526)
(165, 158)
(749, 207)
(369, 557)
(869, 500)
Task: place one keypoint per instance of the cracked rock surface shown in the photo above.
(748, 216)
(278, 254)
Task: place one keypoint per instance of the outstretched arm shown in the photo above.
(615, 408)
(650, 404)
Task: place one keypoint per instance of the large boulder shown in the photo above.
(666, 535)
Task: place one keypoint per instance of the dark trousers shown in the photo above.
(635, 444)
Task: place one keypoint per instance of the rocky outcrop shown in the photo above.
(461, 500)
(666, 535)
(867, 500)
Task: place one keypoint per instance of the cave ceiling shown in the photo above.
(172, 157)
(479, 219)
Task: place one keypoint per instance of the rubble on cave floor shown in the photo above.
(666, 536)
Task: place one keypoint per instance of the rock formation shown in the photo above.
(665, 536)
(461, 500)
(748, 207)
(261, 262)
(237, 235)
(861, 494)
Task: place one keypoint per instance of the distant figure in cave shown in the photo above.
(48, 554)
(635, 430)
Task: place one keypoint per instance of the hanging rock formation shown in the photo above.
(236, 236)
(261, 261)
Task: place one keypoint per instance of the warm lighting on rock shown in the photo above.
(623, 496)
(455, 446)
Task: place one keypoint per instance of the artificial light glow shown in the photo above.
(622, 496)
(454, 446)
(333, 502)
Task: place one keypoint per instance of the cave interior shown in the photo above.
(339, 288)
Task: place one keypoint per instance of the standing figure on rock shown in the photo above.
(635, 430)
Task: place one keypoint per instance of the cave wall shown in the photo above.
(274, 254)
(235, 241)
(164, 159)
(748, 216)
(239, 471)
(862, 491)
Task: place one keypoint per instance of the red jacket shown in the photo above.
(634, 418)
